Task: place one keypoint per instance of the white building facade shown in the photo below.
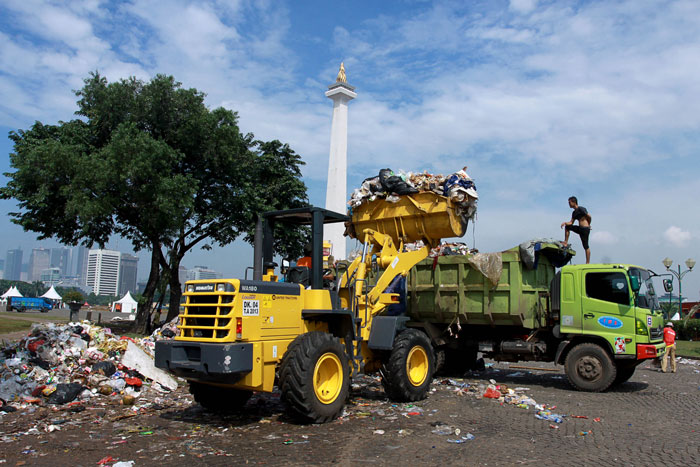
(103, 272)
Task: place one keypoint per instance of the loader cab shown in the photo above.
(312, 216)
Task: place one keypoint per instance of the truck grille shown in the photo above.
(656, 333)
(208, 316)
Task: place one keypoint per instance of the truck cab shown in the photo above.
(611, 306)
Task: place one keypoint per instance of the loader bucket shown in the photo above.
(422, 216)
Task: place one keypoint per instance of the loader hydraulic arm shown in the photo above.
(392, 260)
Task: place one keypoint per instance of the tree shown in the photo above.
(73, 296)
(150, 162)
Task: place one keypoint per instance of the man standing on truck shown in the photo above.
(670, 341)
(583, 229)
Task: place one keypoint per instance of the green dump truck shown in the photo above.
(599, 320)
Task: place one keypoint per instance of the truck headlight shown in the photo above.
(641, 328)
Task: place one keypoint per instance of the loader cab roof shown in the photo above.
(311, 215)
(305, 216)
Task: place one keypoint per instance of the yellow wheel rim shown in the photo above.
(328, 378)
(417, 366)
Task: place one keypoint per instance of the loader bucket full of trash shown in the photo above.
(411, 207)
(421, 216)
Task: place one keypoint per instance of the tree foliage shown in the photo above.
(152, 163)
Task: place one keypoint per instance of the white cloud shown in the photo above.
(523, 6)
(677, 236)
(602, 237)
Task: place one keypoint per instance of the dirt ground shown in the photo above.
(651, 419)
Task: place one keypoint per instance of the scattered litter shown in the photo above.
(546, 415)
(378, 432)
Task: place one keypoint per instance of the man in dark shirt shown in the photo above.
(583, 229)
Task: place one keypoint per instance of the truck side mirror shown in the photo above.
(634, 283)
(668, 285)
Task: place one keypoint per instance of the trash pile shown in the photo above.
(459, 187)
(60, 364)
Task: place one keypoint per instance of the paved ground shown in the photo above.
(654, 419)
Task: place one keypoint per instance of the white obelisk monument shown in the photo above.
(336, 191)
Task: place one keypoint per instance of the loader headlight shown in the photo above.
(190, 288)
(220, 287)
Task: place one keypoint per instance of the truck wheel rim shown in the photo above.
(589, 368)
(417, 366)
(328, 378)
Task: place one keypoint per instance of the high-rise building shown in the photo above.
(128, 269)
(60, 258)
(202, 272)
(13, 265)
(81, 255)
(103, 271)
(39, 260)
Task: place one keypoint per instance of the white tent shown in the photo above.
(13, 292)
(127, 304)
(51, 294)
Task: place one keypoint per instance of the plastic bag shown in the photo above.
(488, 264)
(65, 393)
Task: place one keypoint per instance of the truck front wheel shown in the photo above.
(624, 373)
(314, 377)
(408, 372)
(218, 399)
(589, 368)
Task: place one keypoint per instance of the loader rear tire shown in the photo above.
(219, 399)
(314, 377)
(408, 372)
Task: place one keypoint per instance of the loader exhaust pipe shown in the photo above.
(258, 250)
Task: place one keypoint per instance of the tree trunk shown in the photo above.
(175, 287)
(143, 315)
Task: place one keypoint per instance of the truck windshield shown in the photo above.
(646, 298)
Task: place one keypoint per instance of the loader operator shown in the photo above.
(305, 261)
(583, 229)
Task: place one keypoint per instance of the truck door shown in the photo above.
(607, 311)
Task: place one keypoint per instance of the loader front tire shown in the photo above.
(314, 377)
(408, 371)
(219, 399)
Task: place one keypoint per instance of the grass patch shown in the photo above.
(8, 325)
(688, 349)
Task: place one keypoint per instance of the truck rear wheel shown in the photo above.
(219, 399)
(589, 368)
(408, 372)
(314, 377)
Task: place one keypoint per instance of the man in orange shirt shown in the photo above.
(670, 341)
(305, 261)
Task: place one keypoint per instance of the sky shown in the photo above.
(541, 100)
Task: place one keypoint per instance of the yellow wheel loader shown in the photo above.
(306, 334)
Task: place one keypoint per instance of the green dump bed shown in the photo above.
(440, 291)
